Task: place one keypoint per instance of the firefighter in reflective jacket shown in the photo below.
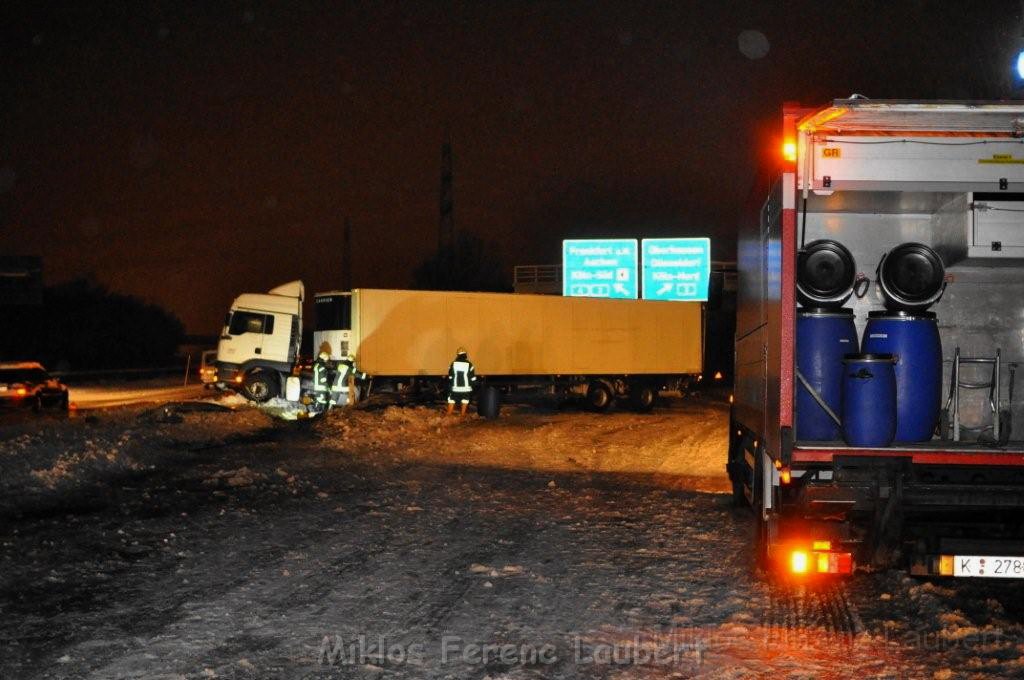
(461, 378)
(340, 393)
(321, 380)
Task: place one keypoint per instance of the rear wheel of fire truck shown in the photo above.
(599, 396)
(260, 385)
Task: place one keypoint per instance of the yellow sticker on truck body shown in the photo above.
(1002, 158)
(831, 152)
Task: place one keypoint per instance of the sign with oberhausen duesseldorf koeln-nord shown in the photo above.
(676, 268)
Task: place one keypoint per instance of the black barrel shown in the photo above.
(825, 274)
(489, 405)
(911, 277)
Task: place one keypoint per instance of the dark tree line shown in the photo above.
(83, 326)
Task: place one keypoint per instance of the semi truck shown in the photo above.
(873, 175)
(607, 350)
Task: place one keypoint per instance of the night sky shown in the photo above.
(188, 152)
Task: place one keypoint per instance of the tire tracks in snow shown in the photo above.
(797, 609)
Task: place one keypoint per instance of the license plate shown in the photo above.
(988, 566)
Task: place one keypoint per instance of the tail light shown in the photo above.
(820, 561)
(789, 151)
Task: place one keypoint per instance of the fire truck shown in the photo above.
(874, 176)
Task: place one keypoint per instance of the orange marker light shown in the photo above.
(786, 476)
(798, 562)
(718, 375)
(789, 151)
(22, 391)
(822, 545)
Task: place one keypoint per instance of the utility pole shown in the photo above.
(346, 255)
(446, 227)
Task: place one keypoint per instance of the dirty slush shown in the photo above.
(394, 543)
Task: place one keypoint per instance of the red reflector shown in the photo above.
(834, 563)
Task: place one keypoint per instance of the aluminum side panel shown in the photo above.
(759, 325)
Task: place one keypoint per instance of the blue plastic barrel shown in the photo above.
(869, 400)
(913, 339)
(823, 338)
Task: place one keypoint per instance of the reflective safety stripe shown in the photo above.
(460, 376)
(341, 378)
(319, 378)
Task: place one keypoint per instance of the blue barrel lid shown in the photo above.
(825, 273)
(911, 276)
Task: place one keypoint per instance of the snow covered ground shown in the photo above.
(397, 543)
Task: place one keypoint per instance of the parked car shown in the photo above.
(208, 368)
(28, 385)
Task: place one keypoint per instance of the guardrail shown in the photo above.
(119, 374)
(538, 273)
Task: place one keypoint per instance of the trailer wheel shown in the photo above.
(641, 397)
(260, 386)
(599, 396)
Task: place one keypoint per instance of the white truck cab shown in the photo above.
(260, 340)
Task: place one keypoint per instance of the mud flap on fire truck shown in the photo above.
(766, 518)
(875, 490)
(887, 529)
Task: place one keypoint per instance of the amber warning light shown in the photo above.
(819, 561)
(789, 151)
